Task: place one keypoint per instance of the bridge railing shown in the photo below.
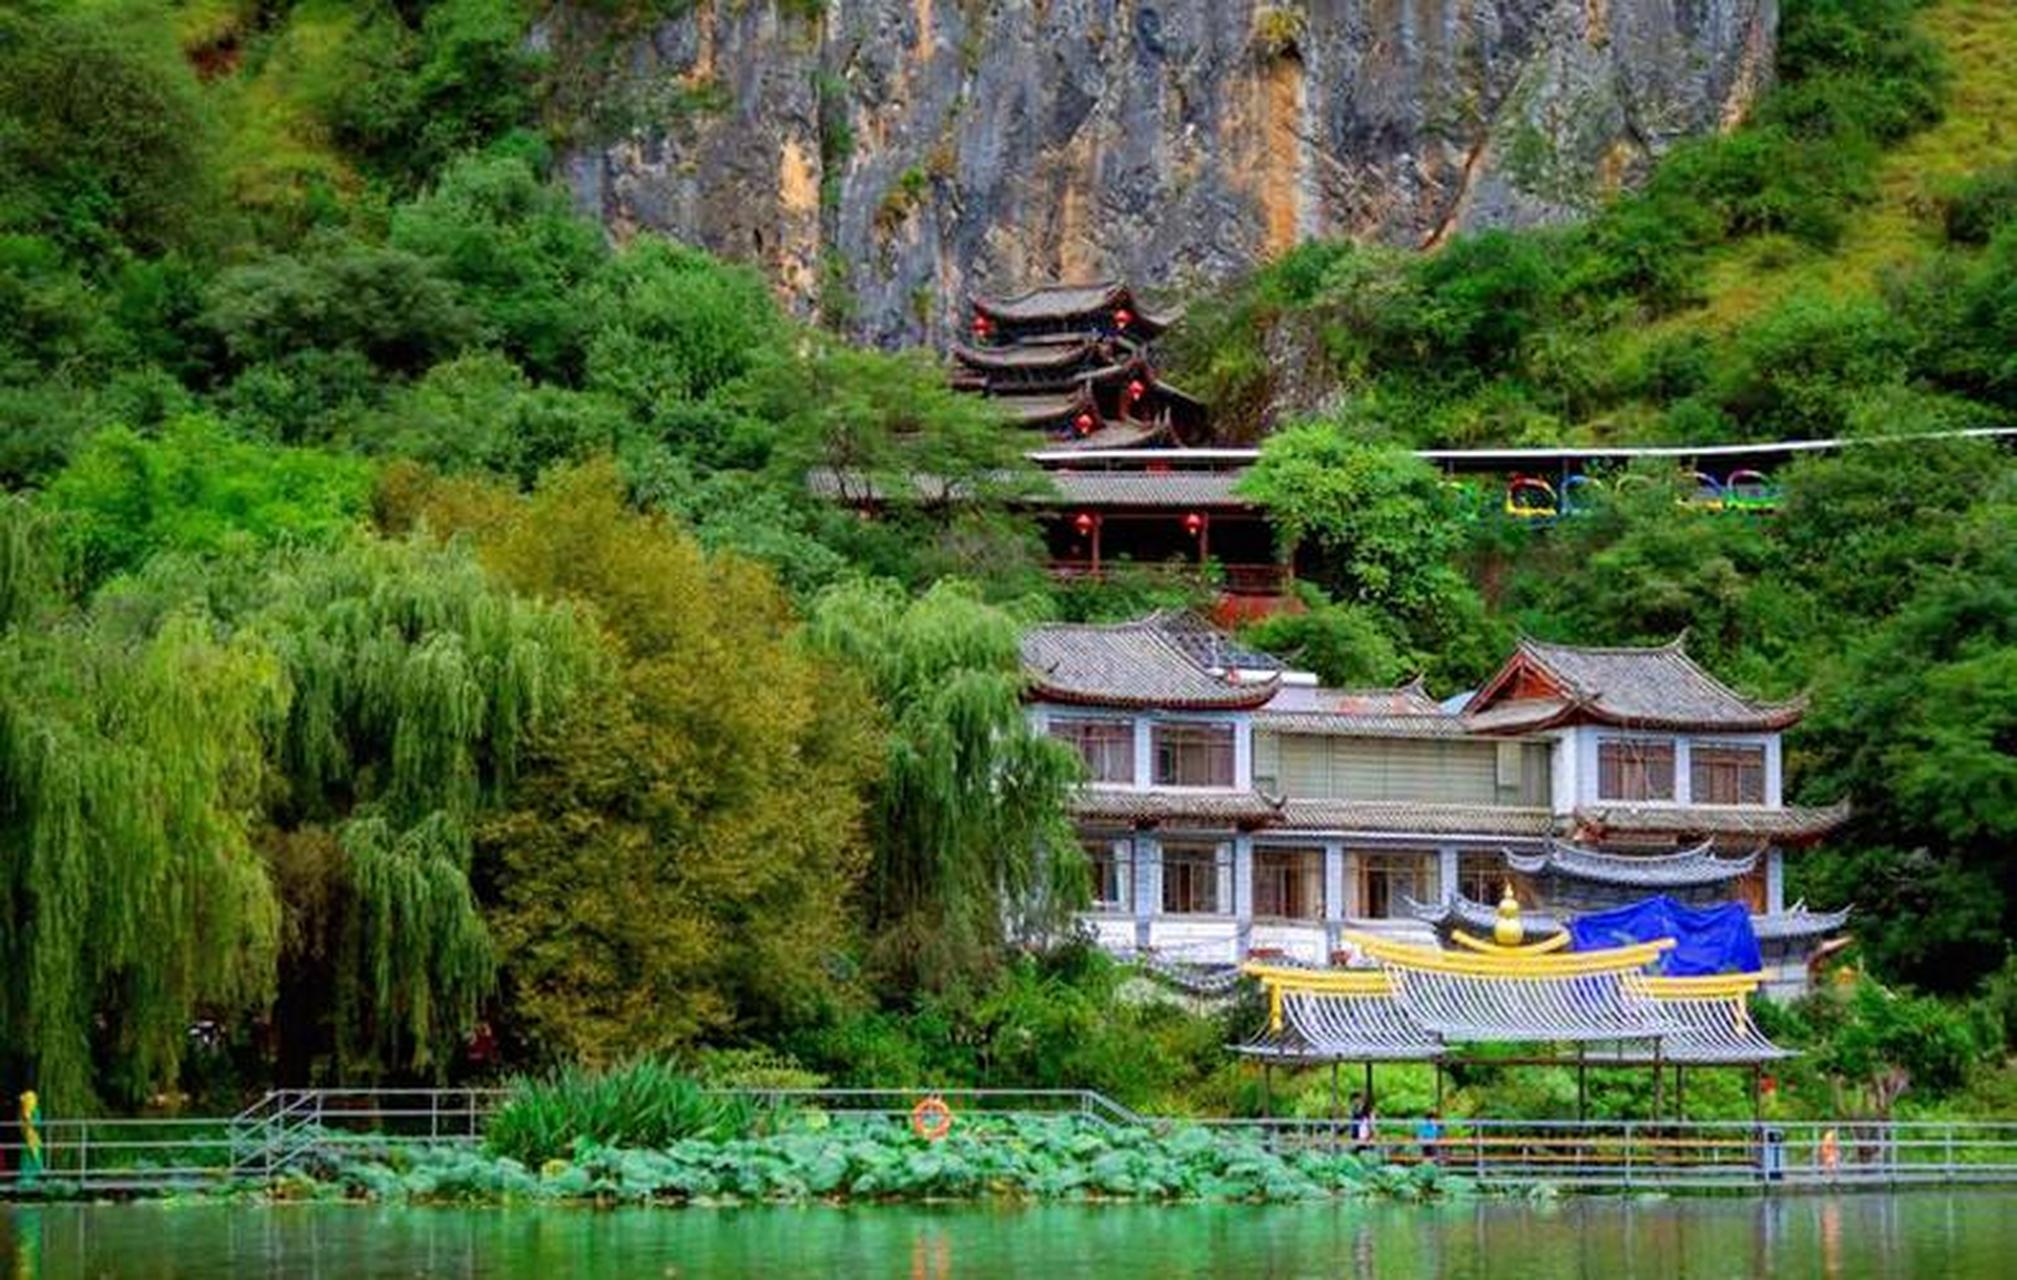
(288, 1127)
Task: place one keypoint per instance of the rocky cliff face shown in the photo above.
(883, 158)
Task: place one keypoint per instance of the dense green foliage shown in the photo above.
(968, 822)
(644, 1104)
(814, 1157)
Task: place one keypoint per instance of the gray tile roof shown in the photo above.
(1793, 822)
(1164, 489)
(1116, 435)
(1028, 355)
(1689, 868)
(1175, 803)
(1472, 916)
(1656, 687)
(1063, 301)
(1167, 660)
(1403, 712)
(1408, 817)
(1797, 923)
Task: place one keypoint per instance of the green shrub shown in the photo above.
(646, 1105)
(1981, 205)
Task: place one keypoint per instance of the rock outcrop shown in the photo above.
(883, 158)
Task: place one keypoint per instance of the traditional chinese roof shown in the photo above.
(1460, 912)
(1413, 817)
(1180, 490)
(1790, 823)
(1036, 410)
(1171, 660)
(1030, 355)
(1547, 684)
(1689, 868)
(1404, 712)
(1054, 302)
(1123, 804)
(1421, 1000)
(1797, 923)
(1116, 435)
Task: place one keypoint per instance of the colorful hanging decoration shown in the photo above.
(1194, 524)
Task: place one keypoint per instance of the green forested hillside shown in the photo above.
(414, 612)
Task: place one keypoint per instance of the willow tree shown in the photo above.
(131, 898)
(416, 682)
(680, 855)
(968, 824)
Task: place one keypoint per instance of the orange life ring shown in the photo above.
(931, 1119)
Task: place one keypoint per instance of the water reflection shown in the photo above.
(1842, 1238)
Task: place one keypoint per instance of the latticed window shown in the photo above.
(1112, 866)
(1107, 746)
(1635, 769)
(1289, 883)
(1197, 879)
(1388, 880)
(1193, 754)
(1720, 773)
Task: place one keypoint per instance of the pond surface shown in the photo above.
(1959, 1234)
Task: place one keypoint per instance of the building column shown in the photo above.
(1446, 872)
(1775, 880)
(1144, 766)
(1148, 885)
(1684, 773)
(1243, 895)
(1334, 896)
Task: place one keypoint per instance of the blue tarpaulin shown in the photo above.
(1707, 940)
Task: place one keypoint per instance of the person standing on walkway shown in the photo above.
(1430, 1134)
(1362, 1124)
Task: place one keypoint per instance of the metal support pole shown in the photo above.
(1680, 1093)
(1582, 1086)
(1369, 1084)
(1267, 1089)
(1659, 1086)
(1334, 1089)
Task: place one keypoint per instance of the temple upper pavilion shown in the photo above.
(1234, 809)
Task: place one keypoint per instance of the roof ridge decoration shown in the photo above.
(1418, 1002)
(1686, 868)
(1657, 686)
(1169, 659)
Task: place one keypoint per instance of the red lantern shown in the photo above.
(1123, 318)
(1768, 1084)
(1084, 423)
(1137, 389)
(981, 325)
(1194, 524)
(1083, 522)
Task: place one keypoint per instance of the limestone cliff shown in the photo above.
(881, 157)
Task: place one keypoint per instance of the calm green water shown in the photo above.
(1920, 1234)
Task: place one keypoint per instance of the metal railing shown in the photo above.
(287, 1129)
(1674, 1155)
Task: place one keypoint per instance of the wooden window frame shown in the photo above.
(1111, 860)
(1188, 865)
(1279, 875)
(1213, 737)
(1632, 769)
(1082, 734)
(1381, 867)
(1711, 762)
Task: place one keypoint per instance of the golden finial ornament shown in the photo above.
(1507, 930)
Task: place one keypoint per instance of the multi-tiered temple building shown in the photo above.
(1234, 808)
(1137, 481)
